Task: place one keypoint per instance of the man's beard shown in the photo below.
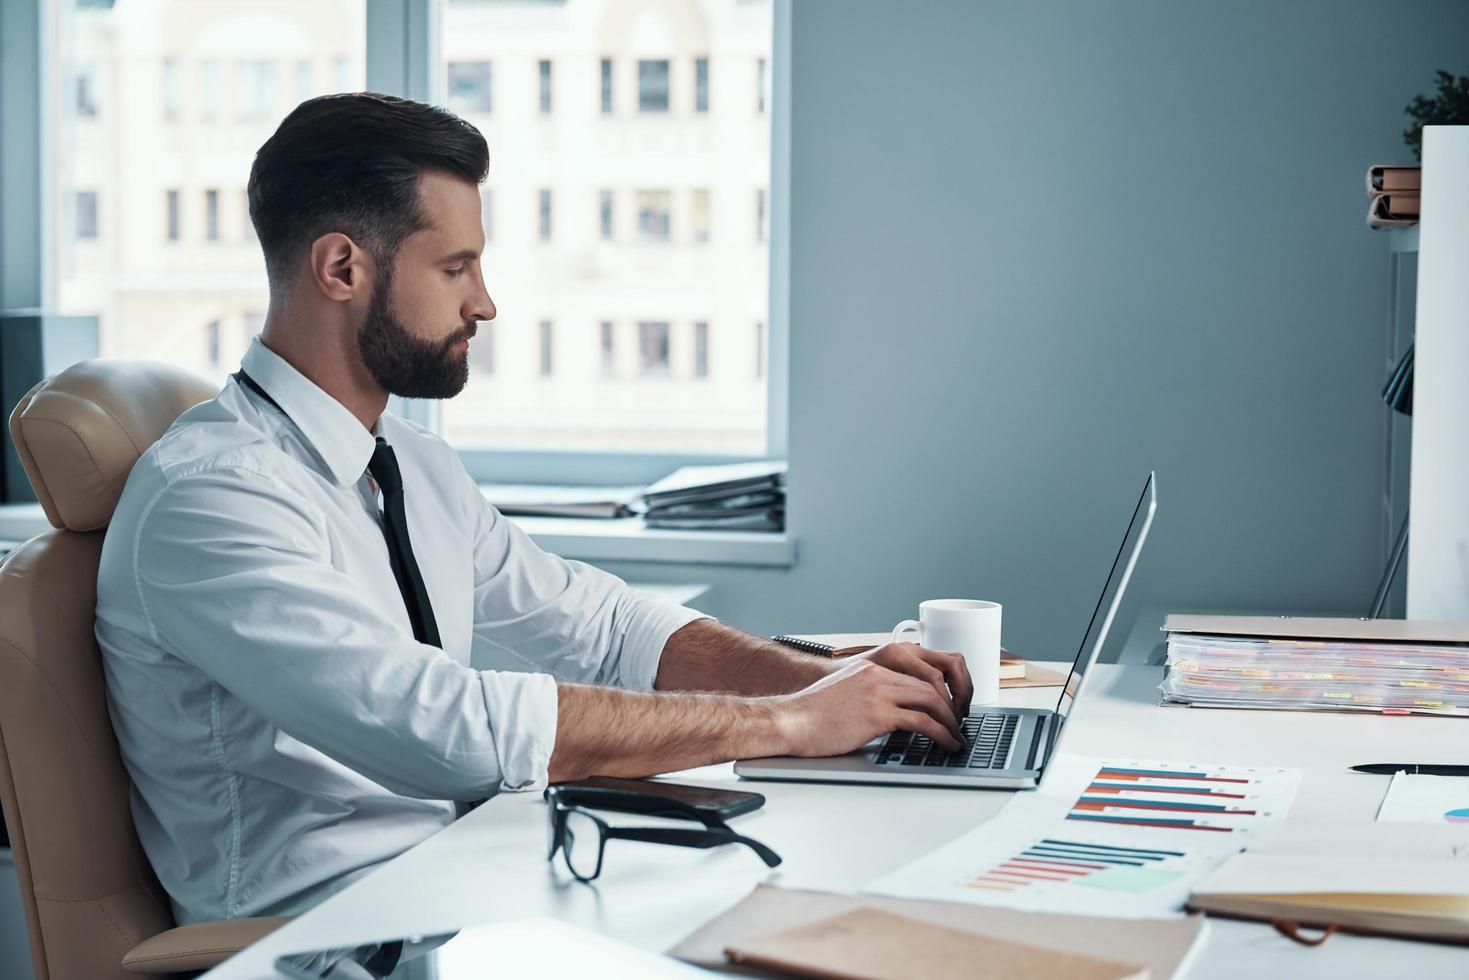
(403, 364)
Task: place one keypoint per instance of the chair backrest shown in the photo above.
(88, 891)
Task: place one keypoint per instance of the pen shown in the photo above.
(1413, 768)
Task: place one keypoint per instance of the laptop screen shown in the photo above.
(1111, 597)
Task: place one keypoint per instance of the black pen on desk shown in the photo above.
(1412, 769)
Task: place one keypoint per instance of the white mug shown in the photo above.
(967, 626)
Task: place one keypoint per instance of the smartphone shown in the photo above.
(654, 796)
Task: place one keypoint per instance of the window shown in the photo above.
(173, 90)
(760, 214)
(606, 86)
(305, 80)
(544, 211)
(86, 90)
(701, 84)
(653, 349)
(469, 86)
(609, 350)
(211, 90)
(762, 76)
(482, 349)
(545, 75)
(171, 216)
(605, 215)
(211, 216)
(653, 207)
(257, 90)
(699, 217)
(759, 349)
(701, 350)
(546, 348)
(211, 343)
(653, 86)
(86, 215)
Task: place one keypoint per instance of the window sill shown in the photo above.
(587, 539)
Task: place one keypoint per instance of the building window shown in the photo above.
(546, 348)
(173, 90)
(606, 86)
(171, 219)
(762, 83)
(759, 349)
(305, 78)
(653, 86)
(609, 350)
(701, 350)
(86, 215)
(342, 73)
(653, 220)
(760, 214)
(699, 217)
(701, 84)
(211, 90)
(653, 349)
(211, 342)
(545, 74)
(487, 211)
(86, 90)
(604, 208)
(482, 348)
(544, 211)
(211, 216)
(469, 86)
(257, 90)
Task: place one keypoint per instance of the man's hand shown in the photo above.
(862, 700)
(938, 669)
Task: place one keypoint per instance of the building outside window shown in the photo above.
(469, 87)
(653, 349)
(257, 90)
(212, 343)
(171, 220)
(544, 70)
(701, 350)
(604, 208)
(211, 216)
(247, 227)
(305, 80)
(606, 70)
(760, 214)
(543, 210)
(701, 84)
(759, 348)
(608, 348)
(699, 215)
(546, 348)
(653, 85)
(86, 90)
(653, 215)
(211, 90)
(173, 90)
(85, 203)
(762, 83)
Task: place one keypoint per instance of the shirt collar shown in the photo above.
(335, 433)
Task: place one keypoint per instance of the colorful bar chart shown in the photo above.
(1210, 801)
(1063, 861)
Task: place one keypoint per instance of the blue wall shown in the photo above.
(1039, 248)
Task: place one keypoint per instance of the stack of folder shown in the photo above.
(739, 496)
(1393, 194)
(1389, 666)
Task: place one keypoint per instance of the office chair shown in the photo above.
(94, 909)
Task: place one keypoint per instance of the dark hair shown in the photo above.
(350, 163)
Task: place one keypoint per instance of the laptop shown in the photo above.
(1005, 748)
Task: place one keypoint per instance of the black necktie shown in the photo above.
(384, 469)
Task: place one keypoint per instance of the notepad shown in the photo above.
(870, 944)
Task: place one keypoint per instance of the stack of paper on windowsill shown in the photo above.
(1393, 193)
(734, 497)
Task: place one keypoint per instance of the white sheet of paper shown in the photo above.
(1426, 799)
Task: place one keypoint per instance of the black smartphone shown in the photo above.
(655, 797)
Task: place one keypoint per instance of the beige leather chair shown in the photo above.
(93, 907)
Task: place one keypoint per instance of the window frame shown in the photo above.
(402, 58)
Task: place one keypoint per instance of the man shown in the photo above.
(295, 584)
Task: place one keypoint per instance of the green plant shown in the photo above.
(1450, 108)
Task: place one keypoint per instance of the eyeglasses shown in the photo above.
(581, 837)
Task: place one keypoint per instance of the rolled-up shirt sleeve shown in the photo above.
(235, 577)
(535, 611)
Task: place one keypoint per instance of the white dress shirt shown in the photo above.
(283, 729)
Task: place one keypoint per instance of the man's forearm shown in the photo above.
(707, 655)
(608, 732)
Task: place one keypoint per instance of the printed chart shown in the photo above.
(1103, 837)
(1426, 799)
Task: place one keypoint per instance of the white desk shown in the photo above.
(491, 865)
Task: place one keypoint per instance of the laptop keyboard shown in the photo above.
(987, 740)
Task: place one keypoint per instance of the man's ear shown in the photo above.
(339, 268)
